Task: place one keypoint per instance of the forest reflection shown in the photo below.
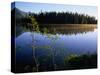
(69, 29)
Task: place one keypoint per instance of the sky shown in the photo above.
(38, 7)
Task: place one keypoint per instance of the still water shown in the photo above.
(78, 43)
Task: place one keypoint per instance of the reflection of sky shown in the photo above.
(37, 7)
(82, 41)
(64, 45)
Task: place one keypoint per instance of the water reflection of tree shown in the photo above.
(69, 30)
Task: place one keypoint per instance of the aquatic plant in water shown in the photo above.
(50, 36)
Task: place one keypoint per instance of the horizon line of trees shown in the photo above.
(24, 19)
(63, 18)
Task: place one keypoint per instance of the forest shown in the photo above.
(63, 18)
(53, 17)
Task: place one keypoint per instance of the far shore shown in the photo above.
(68, 25)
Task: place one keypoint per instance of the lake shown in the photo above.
(67, 41)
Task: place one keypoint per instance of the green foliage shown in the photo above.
(35, 25)
(45, 30)
(46, 47)
(82, 61)
(72, 56)
(53, 38)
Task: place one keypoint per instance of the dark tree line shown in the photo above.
(63, 18)
(25, 19)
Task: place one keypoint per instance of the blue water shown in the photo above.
(64, 45)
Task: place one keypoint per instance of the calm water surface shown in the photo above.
(66, 44)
